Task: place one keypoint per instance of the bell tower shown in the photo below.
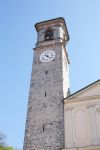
(48, 87)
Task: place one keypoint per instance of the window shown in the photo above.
(49, 34)
(45, 94)
(43, 128)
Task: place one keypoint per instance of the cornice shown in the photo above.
(50, 45)
(87, 98)
(84, 148)
(57, 21)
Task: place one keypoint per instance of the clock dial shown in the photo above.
(47, 56)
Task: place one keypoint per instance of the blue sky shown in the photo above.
(18, 37)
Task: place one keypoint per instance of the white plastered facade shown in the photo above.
(82, 118)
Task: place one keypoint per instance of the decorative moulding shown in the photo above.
(95, 97)
(85, 148)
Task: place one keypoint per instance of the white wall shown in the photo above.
(82, 123)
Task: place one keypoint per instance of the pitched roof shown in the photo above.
(77, 92)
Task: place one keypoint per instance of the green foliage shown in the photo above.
(3, 145)
(6, 148)
(2, 139)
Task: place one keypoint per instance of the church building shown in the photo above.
(57, 119)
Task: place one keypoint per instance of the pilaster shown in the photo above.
(93, 128)
(69, 128)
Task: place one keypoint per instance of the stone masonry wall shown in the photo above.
(45, 114)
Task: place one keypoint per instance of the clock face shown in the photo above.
(47, 56)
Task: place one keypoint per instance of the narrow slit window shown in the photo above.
(43, 128)
(46, 71)
(30, 108)
(45, 94)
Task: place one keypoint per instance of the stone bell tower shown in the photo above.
(49, 86)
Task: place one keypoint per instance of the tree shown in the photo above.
(3, 145)
(2, 139)
(6, 148)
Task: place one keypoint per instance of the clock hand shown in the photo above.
(47, 55)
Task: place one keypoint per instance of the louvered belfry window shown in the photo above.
(49, 34)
